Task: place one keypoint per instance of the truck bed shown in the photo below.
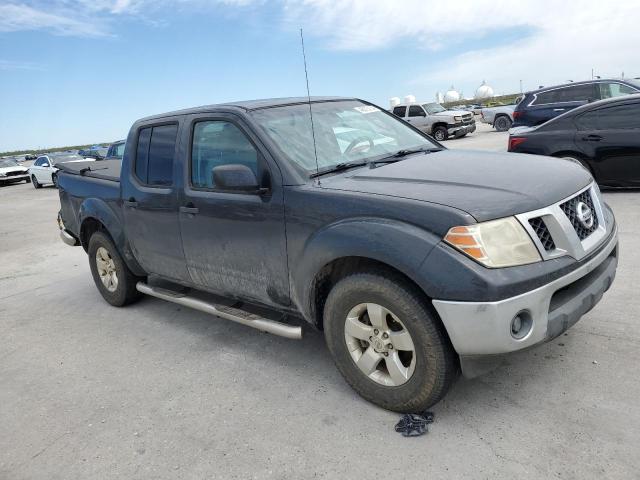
(102, 169)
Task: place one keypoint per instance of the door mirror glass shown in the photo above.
(45, 164)
(235, 177)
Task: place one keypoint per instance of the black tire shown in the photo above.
(34, 180)
(27, 180)
(436, 366)
(54, 180)
(440, 133)
(502, 123)
(125, 292)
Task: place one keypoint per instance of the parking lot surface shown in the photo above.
(159, 391)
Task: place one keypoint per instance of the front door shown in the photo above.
(234, 242)
(611, 136)
(150, 201)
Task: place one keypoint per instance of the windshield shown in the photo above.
(432, 108)
(345, 131)
(8, 163)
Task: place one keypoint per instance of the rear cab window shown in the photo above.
(155, 154)
(400, 111)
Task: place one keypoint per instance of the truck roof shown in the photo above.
(248, 105)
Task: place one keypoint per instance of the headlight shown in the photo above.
(498, 243)
(457, 119)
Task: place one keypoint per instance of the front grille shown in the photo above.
(570, 209)
(14, 173)
(541, 230)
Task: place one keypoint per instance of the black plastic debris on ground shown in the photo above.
(413, 424)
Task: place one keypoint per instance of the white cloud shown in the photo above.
(561, 40)
(16, 17)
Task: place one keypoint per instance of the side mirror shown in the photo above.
(46, 165)
(235, 177)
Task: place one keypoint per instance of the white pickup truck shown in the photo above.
(435, 120)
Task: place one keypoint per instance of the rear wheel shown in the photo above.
(114, 280)
(54, 180)
(502, 123)
(440, 133)
(34, 180)
(387, 343)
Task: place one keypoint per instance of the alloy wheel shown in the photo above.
(106, 269)
(379, 344)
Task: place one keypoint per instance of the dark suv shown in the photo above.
(546, 103)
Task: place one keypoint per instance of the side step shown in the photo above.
(228, 313)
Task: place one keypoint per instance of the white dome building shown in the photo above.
(484, 91)
(451, 96)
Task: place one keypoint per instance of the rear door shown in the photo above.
(417, 117)
(234, 242)
(150, 200)
(611, 137)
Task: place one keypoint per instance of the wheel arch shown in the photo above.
(356, 245)
(578, 156)
(96, 215)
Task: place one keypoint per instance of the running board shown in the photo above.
(228, 313)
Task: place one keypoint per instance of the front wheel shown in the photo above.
(34, 181)
(114, 280)
(387, 343)
(440, 133)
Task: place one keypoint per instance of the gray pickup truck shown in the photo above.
(414, 260)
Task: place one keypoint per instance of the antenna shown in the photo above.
(313, 132)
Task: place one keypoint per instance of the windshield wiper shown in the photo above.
(339, 167)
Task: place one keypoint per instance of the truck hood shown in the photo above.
(13, 169)
(448, 113)
(487, 185)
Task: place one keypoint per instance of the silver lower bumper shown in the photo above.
(484, 328)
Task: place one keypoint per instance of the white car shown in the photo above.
(44, 170)
(11, 172)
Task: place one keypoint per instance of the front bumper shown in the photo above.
(485, 328)
(460, 130)
(14, 178)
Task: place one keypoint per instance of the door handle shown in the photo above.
(189, 209)
(131, 203)
(558, 109)
(592, 138)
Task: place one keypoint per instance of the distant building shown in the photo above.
(484, 92)
(439, 97)
(452, 95)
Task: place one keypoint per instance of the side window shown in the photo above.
(588, 121)
(609, 90)
(119, 150)
(416, 111)
(577, 93)
(38, 162)
(154, 154)
(619, 117)
(217, 143)
(400, 111)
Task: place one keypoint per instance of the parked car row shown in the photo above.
(44, 170)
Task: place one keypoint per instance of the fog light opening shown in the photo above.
(521, 325)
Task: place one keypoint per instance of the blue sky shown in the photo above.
(81, 71)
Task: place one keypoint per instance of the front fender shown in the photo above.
(400, 245)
